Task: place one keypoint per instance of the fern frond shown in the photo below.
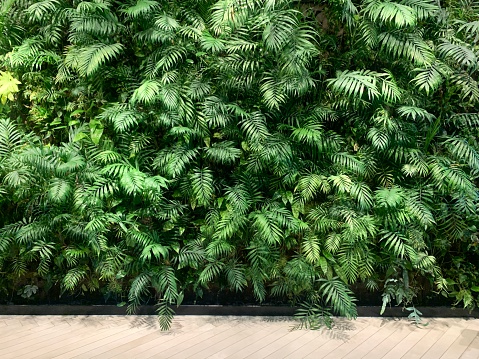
(73, 278)
(235, 274)
(339, 297)
(348, 162)
(424, 9)
(139, 287)
(165, 314)
(59, 190)
(121, 115)
(147, 93)
(429, 79)
(174, 161)
(92, 57)
(415, 113)
(471, 29)
(310, 185)
(132, 181)
(278, 30)
(202, 184)
(191, 255)
(395, 242)
(142, 8)
(10, 137)
(41, 9)
(391, 12)
(363, 194)
(355, 84)
(254, 127)
(267, 228)
(458, 53)
(311, 249)
(272, 89)
(463, 152)
(468, 86)
(211, 271)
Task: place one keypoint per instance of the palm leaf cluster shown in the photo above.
(152, 149)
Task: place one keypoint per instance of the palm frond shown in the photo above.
(339, 296)
(391, 12)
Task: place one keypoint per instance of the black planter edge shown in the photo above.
(223, 310)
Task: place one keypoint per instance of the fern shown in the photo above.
(141, 8)
(147, 92)
(202, 185)
(121, 116)
(139, 287)
(73, 277)
(165, 315)
(356, 84)
(312, 250)
(430, 78)
(312, 184)
(10, 138)
(92, 57)
(395, 13)
(336, 294)
(313, 317)
(59, 190)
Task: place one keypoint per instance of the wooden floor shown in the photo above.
(232, 337)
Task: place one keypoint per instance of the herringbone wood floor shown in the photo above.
(232, 337)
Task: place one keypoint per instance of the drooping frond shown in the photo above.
(457, 52)
(89, 59)
(202, 185)
(339, 296)
(429, 78)
(397, 14)
(356, 84)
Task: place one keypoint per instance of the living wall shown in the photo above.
(291, 149)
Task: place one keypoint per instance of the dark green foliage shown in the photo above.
(151, 148)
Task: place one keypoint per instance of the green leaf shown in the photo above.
(96, 131)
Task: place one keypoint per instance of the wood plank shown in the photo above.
(421, 347)
(338, 348)
(32, 337)
(383, 348)
(64, 338)
(15, 323)
(342, 334)
(472, 351)
(196, 337)
(253, 335)
(11, 332)
(173, 339)
(387, 328)
(69, 340)
(249, 350)
(220, 344)
(98, 351)
(129, 345)
(106, 335)
(444, 342)
(278, 343)
(460, 345)
(407, 343)
(199, 343)
(98, 334)
(289, 347)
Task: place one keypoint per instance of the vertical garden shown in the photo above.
(284, 151)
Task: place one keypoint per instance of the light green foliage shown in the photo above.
(8, 87)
